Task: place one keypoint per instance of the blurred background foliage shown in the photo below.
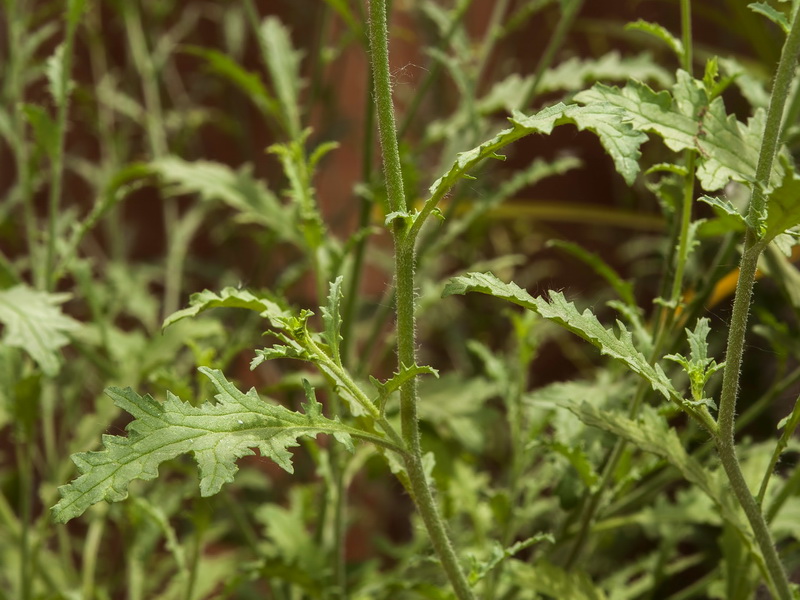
(141, 176)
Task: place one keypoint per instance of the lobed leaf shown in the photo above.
(34, 322)
(231, 297)
(652, 434)
(553, 581)
(770, 13)
(619, 139)
(660, 32)
(216, 434)
(333, 320)
(497, 554)
(687, 119)
(394, 383)
(564, 313)
(58, 81)
(699, 367)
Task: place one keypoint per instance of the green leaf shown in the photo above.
(397, 380)
(563, 313)
(238, 189)
(231, 297)
(34, 322)
(772, 14)
(661, 33)
(576, 73)
(623, 288)
(457, 408)
(650, 433)
(789, 424)
(283, 63)
(74, 12)
(686, 119)
(553, 581)
(296, 167)
(647, 110)
(699, 367)
(498, 554)
(319, 153)
(249, 83)
(343, 9)
(783, 207)
(58, 80)
(726, 211)
(44, 128)
(290, 350)
(333, 320)
(217, 434)
(620, 140)
(572, 75)
(577, 457)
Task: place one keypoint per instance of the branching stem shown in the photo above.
(404, 281)
(753, 246)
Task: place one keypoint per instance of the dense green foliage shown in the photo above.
(433, 450)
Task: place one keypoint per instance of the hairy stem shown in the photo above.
(404, 275)
(753, 246)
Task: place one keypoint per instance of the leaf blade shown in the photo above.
(217, 434)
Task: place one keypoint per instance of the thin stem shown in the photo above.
(365, 209)
(91, 549)
(686, 34)
(15, 85)
(379, 47)
(663, 326)
(26, 492)
(57, 159)
(157, 140)
(683, 238)
(776, 454)
(404, 275)
(568, 15)
(432, 74)
(753, 246)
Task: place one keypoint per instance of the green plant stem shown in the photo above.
(91, 549)
(568, 15)
(788, 489)
(364, 212)
(432, 74)
(57, 157)
(16, 20)
(662, 326)
(25, 470)
(686, 34)
(753, 246)
(379, 49)
(404, 282)
(683, 237)
(154, 120)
